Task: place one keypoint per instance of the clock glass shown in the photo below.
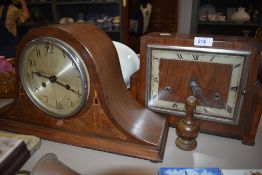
(216, 77)
(54, 76)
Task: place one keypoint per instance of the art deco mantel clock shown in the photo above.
(221, 72)
(70, 89)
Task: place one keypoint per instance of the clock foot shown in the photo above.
(186, 145)
(247, 141)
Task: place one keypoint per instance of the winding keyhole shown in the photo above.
(217, 96)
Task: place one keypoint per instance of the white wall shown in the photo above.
(184, 16)
(187, 16)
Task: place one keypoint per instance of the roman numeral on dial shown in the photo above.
(179, 56)
(38, 53)
(234, 88)
(229, 109)
(195, 57)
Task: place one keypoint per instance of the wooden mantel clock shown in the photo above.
(221, 72)
(70, 89)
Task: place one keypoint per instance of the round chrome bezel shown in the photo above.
(74, 57)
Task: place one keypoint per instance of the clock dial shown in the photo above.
(54, 77)
(215, 77)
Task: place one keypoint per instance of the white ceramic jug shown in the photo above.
(240, 15)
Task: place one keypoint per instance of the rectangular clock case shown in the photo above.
(225, 74)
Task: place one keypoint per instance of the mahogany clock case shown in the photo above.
(110, 120)
(176, 71)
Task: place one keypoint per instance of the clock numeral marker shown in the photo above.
(38, 53)
(64, 54)
(46, 99)
(154, 97)
(179, 56)
(229, 109)
(155, 79)
(30, 76)
(195, 57)
(49, 49)
(70, 102)
(212, 59)
(234, 88)
(32, 63)
(174, 105)
(237, 65)
(58, 104)
(78, 93)
(37, 88)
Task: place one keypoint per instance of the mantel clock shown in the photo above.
(221, 72)
(70, 89)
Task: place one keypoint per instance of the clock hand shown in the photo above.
(198, 91)
(53, 79)
(67, 86)
(40, 75)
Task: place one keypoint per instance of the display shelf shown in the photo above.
(86, 2)
(52, 11)
(30, 24)
(227, 8)
(228, 23)
(39, 2)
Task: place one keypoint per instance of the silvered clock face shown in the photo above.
(217, 78)
(54, 77)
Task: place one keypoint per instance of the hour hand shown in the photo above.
(53, 79)
(40, 74)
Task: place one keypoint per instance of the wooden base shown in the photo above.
(152, 153)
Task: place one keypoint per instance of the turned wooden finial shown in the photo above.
(187, 128)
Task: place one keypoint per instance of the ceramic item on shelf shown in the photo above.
(65, 20)
(206, 9)
(212, 18)
(128, 59)
(203, 18)
(240, 15)
(221, 18)
(80, 17)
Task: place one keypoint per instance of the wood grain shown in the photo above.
(250, 113)
(111, 120)
(177, 74)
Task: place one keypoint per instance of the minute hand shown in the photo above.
(67, 86)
